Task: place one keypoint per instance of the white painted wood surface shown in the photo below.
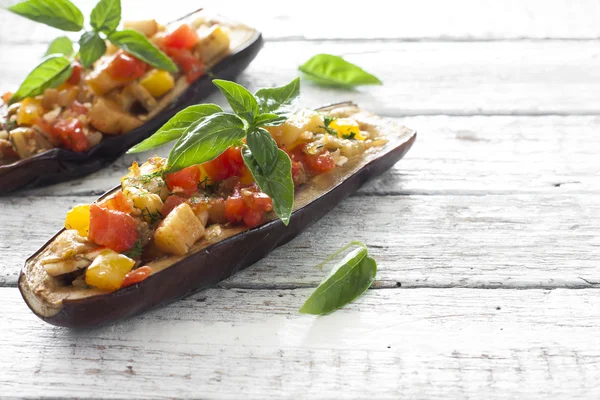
(501, 191)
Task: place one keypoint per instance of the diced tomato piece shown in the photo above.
(298, 174)
(235, 208)
(184, 181)
(319, 163)
(190, 64)
(228, 164)
(75, 77)
(136, 276)
(253, 218)
(248, 204)
(113, 229)
(127, 67)
(170, 204)
(118, 202)
(69, 131)
(183, 37)
(79, 108)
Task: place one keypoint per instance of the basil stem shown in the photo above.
(60, 14)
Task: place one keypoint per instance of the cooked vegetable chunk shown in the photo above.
(158, 82)
(178, 231)
(107, 117)
(213, 43)
(78, 218)
(108, 270)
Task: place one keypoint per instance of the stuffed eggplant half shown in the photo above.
(97, 114)
(158, 237)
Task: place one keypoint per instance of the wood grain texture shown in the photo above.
(454, 155)
(493, 241)
(379, 19)
(466, 78)
(421, 344)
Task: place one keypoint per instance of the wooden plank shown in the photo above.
(457, 20)
(524, 78)
(493, 241)
(455, 155)
(423, 343)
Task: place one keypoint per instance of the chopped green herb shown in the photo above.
(328, 119)
(151, 217)
(136, 251)
(350, 135)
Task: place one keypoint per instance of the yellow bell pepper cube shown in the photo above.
(30, 110)
(346, 128)
(158, 82)
(78, 218)
(108, 270)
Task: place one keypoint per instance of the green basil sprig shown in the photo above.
(177, 126)
(204, 132)
(61, 14)
(330, 70)
(104, 20)
(137, 44)
(60, 45)
(105, 17)
(51, 72)
(348, 279)
(91, 48)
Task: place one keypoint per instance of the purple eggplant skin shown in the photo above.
(216, 262)
(59, 165)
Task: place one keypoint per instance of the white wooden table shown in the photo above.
(486, 234)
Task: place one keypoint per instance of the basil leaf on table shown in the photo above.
(176, 126)
(206, 141)
(242, 102)
(61, 14)
(51, 72)
(348, 279)
(60, 45)
(105, 17)
(91, 48)
(138, 45)
(333, 70)
(279, 101)
(277, 184)
(263, 148)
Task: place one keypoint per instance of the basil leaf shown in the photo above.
(105, 17)
(269, 119)
(281, 101)
(51, 72)
(206, 141)
(242, 102)
(263, 148)
(278, 184)
(138, 45)
(91, 48)
(60, 45)
(333, 70)
(176, 126)
(348, 279)
(61, 14)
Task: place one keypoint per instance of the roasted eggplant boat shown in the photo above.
(96, 115)
(158, 237)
